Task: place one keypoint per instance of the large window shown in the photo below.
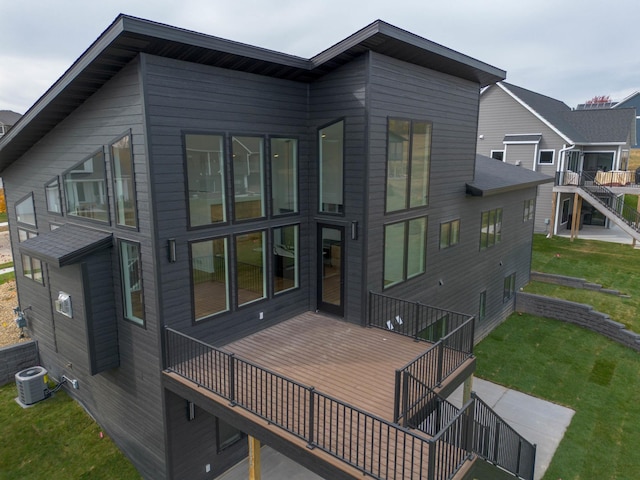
(122, 156)
(509, 287)
(248, 177)
(210, 277)
(32, 268)
(408, 159)
(251, 267)
(491, 229)
(85, 189)
(131, 268)
(566, 206)
(284, 175)
(26, 211)
(482, 306)
(529, 210)
(52, 194)
(205, 179)
(331, 142)
(449, 233)
(404, 250)
(285, 258)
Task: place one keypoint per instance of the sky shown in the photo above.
(571, 50)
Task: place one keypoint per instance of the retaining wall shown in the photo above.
(578, 314)
(15, 358)
(571, 282)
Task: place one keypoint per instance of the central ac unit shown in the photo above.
(31, 385)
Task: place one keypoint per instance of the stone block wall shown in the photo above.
(15, 358)
(578, 314)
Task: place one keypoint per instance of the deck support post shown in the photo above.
(254, 459)
(466, 389)
(552, 220)
(575, 220)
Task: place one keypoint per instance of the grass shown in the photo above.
(612, 265)
(580, 369)
(55, 439)
(3, 216)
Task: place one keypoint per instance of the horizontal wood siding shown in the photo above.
(126, 401)
(405, 91)
(102, 327)
(187, 98)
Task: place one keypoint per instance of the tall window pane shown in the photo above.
(285, 258)
(250, 267)
(210, 278)
(52, 194)
(85, 188)
(132, 282)
(420, 155)
(331, 155)
(122, 156)
(416, 247)
(284, 175)
(205, 179)
(397, 164)
(394, 257)
(248, 177)
(26, 211)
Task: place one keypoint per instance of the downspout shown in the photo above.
(560, 170)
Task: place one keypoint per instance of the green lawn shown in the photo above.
(577, 368)
(612, 265)
(55, 439)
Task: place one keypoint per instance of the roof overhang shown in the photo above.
(494, 177)
(523, 138)
(66, 245)
(127, 37)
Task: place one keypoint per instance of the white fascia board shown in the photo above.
(535, 114)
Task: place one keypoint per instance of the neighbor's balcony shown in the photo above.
(612, 178)
(343, 389)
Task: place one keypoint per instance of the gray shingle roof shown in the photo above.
(9, 117)
(580, 126)
(66, 245)
(492, 177)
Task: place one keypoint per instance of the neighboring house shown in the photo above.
(204, 229)
(7, 120)
(539, 133)
(632, 101)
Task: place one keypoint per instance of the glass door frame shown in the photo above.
(324, 256)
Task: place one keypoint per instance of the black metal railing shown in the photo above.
(374, 446)
(475, 428)
(412, 319)
(495, 441)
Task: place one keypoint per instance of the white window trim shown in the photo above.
(553, 157)
(503, 154)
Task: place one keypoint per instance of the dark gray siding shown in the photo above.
(126, 401)
(188, 98)
(100, 311)
(194, 443)
(342, 95)
(405, 91)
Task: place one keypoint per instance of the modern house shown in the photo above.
(8, 119)
(580, 147)
(215, 241)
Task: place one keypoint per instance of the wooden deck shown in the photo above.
(351, 363)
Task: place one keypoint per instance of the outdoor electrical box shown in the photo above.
(63, 304)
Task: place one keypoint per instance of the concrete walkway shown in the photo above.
(539, 421)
